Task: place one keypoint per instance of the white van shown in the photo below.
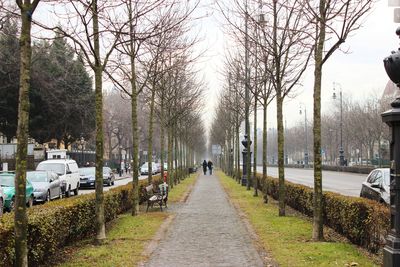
(67, 169)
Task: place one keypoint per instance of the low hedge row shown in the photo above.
(58, 223)
(364, 222)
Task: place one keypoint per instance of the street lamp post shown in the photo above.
(82, 143)
(306, 135)
(120, 161)
(391, 251)
(341, 151)
(246, 143)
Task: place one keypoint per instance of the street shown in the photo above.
(123, 181)
(345, 183)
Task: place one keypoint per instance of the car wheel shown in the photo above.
(68, 191)
(30, 202)
(1, 207)
(109, 182)
(48, 196)
(112, 183)
(76, 190)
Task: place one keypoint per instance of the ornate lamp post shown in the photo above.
(246, 143)
(82, 143)
(341, 151)
(391, 252)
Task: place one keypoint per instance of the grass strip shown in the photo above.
(178, 192)
(288, 239)
(124, 245)
(126, 238)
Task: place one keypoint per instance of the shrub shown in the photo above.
(58, 223)
(364, 222)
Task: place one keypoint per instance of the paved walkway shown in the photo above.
(206, 232)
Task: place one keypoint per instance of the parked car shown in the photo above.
(377, 186)
(144, 169)
(88, 176)
(1, 201)
(108, 176)
(67, 169)
(7, 183)
(46, 185)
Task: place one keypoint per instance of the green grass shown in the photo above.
(126, 237)
(288, 239)
(179, 190)
(124, 245)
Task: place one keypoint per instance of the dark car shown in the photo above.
(88, 176)
(377, 186)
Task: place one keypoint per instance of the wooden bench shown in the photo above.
(159, 197)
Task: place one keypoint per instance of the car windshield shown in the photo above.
(58, 168)
(7, 180)
(37, 176)
(146, 165)
(386, 175)
(87, 171)
(106, 170)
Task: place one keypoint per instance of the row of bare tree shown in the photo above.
(278, 41)
(365, 136)
(143, 48)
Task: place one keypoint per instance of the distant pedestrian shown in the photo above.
(129, 169)
(205, 167)
(210, 166)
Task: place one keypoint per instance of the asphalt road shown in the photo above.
(123, 181)
(345, 183)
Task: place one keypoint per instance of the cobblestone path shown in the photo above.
(206, 232)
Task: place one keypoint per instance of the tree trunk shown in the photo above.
(162, 137)
(255, 180)
(135, 134)
(317, 200)
(100, 223)
(150, 138)
(20, 217)
(281, 167)
(237, 152)
(265, 184)
(170, 158)
(175, 137)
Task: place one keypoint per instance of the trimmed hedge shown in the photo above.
(364, 222)
(58, 223)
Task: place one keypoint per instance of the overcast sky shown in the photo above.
(360, 72)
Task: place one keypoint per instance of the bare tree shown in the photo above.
(333, 20)
(27, 9)
(286, 42)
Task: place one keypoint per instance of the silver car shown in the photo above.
(46, 185)
(377, 186)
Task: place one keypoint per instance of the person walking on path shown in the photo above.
(205, 167)
(210, 166)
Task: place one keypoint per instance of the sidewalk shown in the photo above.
(207, 231)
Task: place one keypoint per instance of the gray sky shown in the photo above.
(359, 72)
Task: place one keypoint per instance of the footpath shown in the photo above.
(207, 231)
